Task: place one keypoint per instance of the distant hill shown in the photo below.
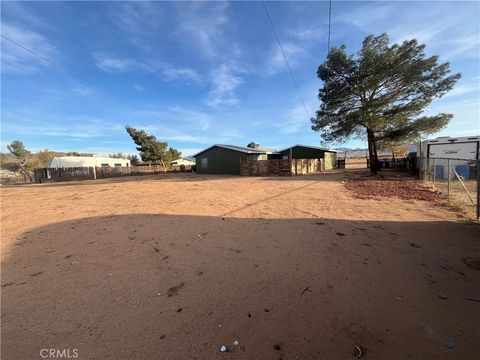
(358, 153)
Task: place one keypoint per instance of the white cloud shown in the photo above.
(139, 20)
(30, 122)
(182, 125)
(19, 61)
(166, 71)
(276, 62)
(294, 121)
(189, 151)
(171, 73)
(203, 26)
(172, 120)
(462, 89)
(189, 138)
(79, 90)
(139, 87)
(225, 79)
(82, 90)
(309, 33)
(430, 22)
(114, 65)
(364, 16)
(16, 11)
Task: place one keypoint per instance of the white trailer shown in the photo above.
(465, 148)
(461, 151)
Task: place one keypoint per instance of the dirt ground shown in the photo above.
(175, 266)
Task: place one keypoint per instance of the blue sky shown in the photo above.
(194, 74)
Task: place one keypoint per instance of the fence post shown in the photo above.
(434, 170)
(448, 178)
(478, 190)
(425, 159)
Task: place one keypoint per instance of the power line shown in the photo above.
(40, 56)
(44, 58)
(28, 50)
(329, 23)
(328, 44)
(285, 57)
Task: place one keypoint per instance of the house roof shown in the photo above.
(242, 149)
(308, 146)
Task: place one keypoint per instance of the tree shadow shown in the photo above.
(176, 287)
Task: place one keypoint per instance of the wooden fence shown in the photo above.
(44, 175)
(281, 167)
(64, 174)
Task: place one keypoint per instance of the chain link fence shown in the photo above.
(458, 179)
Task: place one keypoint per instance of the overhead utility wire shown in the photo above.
(328, 42)
(63, 70)
(329, 23)
(42, 57)
(28, 50)
(286, 61)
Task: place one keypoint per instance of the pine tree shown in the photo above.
(381, 93)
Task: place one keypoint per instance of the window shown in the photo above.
(104, 165)
(118, 165)
(204, 163)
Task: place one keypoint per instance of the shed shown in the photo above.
(310, 152)
(225, 159)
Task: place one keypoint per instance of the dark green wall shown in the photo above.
(221, 161)
(300, 152)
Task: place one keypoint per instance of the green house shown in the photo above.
(225, 159)
(310, 152)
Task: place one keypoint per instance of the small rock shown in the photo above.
(442, 296)
(235, 343)
(223, 348)
(451, 343)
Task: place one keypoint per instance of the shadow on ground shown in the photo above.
(178, 287)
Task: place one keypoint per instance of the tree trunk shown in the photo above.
(372, 152)
(26, 174)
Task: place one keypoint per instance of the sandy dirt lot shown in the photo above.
(173, 267)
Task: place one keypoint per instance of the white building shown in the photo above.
(86, 161)
(183, 161)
